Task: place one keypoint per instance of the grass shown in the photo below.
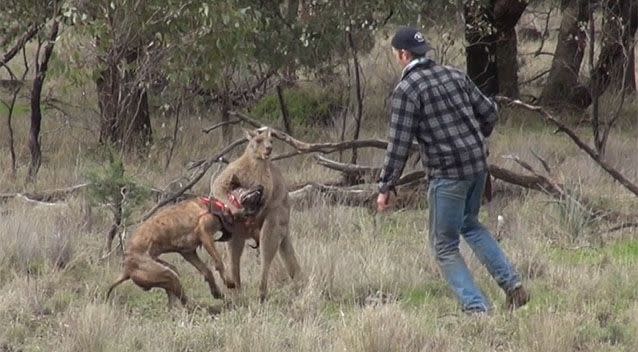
(584, 285)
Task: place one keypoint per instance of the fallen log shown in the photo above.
(47, 196)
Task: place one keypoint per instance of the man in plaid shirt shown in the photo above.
(450, 119)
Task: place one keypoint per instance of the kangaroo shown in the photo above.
(182, 228)
(269, 228)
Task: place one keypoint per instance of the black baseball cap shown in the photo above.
(410, 39)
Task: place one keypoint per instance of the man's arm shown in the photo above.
(484, 108)
(402, 126)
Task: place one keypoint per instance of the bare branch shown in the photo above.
(543, 162)
(622, 179)
(26, 37)
(220, 124)
(326, 148)
(540, 75)
(622, 226)
(49, 196)
(202, 171)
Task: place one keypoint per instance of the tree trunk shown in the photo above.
(359, 92)
(480, 52)
(506, 15)
(619, 30)
(36, 112)
(123, 104)
(630, 78)
(492, 52)
(568, 57)
(507, 64)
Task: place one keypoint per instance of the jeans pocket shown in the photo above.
(450, 188)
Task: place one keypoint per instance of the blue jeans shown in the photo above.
(454, 208)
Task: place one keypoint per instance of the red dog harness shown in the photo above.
(218, 209)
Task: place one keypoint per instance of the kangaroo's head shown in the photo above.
(259, 143)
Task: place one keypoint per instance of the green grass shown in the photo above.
(624, 252)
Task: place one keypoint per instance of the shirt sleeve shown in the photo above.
(485, 109)
(401, 132)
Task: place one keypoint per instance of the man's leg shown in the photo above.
(482, 242)
(447, 203)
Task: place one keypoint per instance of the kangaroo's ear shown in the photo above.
(249, 134)
(234, 182)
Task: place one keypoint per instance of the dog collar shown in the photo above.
(214, 204)
(218, 209)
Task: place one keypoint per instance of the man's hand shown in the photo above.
(383, 202)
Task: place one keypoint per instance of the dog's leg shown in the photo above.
(163, 262)
(150, 273)
(235, 249)
(121, 279)
(205, 231)
(269, 239)
(192, 258)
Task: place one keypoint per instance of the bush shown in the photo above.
(110, 185)
(306, 106)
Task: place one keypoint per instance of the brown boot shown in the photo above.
(516, 298)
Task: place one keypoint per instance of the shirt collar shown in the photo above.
(413, 63)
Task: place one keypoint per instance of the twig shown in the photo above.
(543, 162)
(218, 125)
(622, 226)
(545, 33)
(543, 73)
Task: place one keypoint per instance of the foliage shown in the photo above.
(110, 185)
(306, 106)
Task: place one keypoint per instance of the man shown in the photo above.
(451, 119)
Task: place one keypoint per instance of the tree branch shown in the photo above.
(218, 125)
(623, 180)
(26, 37)
(48, 196)
(202, 171)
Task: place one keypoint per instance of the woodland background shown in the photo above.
(111, 109)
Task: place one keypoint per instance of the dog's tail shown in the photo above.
(121, 279)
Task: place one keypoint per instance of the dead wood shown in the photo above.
(47, 196)
(196, 177)
(617, 175)
(220, 124)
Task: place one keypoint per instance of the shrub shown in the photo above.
(307, 106)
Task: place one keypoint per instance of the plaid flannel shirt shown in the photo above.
(449, 117)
